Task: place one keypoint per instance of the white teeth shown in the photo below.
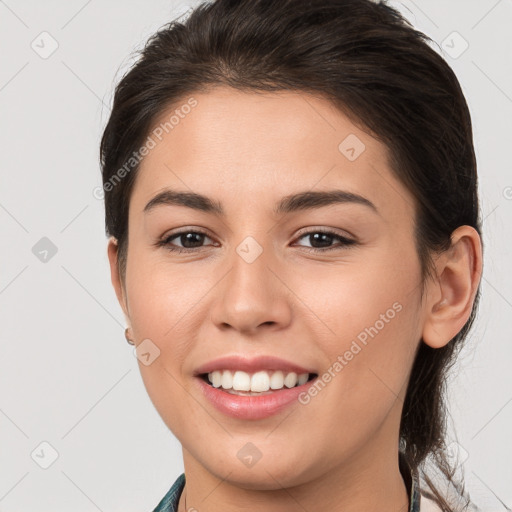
(216, 378)
(290, 380)
(259, 382)
(227, 380)
(241, 381)
(277, 380)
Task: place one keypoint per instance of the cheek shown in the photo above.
(161, 303)
(160, 294)
(349, 300)
(369, 331)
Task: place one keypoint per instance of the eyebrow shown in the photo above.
(295, 202)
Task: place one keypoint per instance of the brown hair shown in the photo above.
(378, 70)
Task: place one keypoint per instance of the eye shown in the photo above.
(323, 238)
(190, 240)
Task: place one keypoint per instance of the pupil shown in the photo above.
(189, 238)
(317, 237)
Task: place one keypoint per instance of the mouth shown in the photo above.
(253, 387)
(258, 384)
(277, 390)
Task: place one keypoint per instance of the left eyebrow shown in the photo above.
(295, 202)
(318, 199)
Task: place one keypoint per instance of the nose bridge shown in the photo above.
(251, 294)
(250, 263)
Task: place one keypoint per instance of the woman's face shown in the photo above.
(254, 285)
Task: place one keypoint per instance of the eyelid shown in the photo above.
(323, 229)
(182, 231)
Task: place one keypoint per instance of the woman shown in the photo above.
(295, 240)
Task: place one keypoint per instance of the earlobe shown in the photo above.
(451, 297)
(115, 277)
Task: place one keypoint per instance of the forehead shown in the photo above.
(249, 148)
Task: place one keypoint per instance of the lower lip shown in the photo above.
(252, 407)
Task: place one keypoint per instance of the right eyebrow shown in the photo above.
(188, 199)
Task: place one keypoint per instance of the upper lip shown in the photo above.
(251, 365)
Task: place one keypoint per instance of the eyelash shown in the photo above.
(345, 242)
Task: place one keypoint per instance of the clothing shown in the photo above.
(418, 502)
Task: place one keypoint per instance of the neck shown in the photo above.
(369, 480)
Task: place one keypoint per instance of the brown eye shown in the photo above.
(324, 239)
(189, 241)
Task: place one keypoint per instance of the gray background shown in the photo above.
(67, 376)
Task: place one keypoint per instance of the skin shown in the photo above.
(340, 451)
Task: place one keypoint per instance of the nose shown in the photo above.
(253, 295)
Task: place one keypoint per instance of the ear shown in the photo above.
(115, 276)
(451, 297)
